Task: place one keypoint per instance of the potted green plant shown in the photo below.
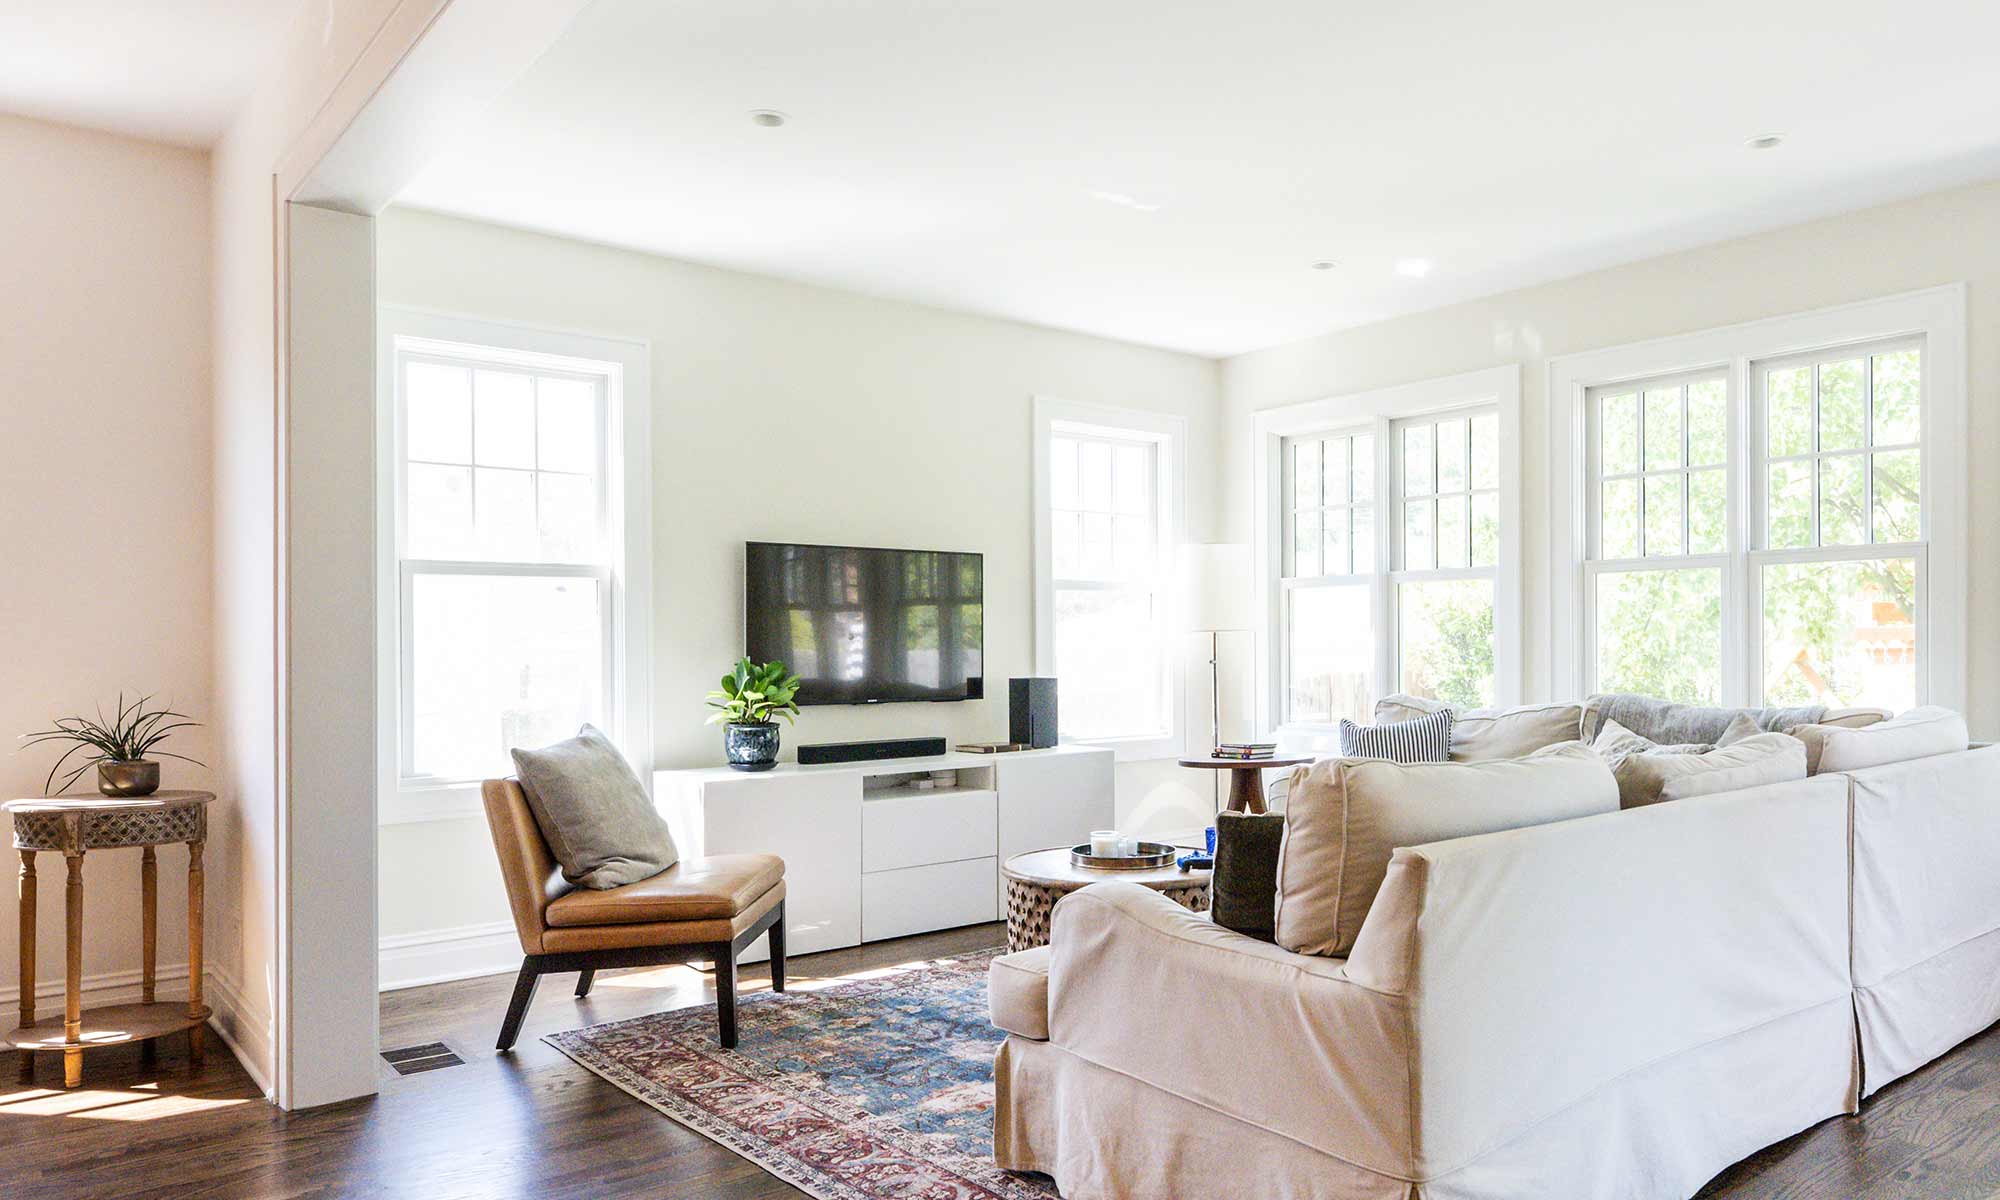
(121, 748)
(750, 696)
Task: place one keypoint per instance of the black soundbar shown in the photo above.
(840, 752)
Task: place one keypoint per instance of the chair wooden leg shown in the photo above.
(725, 993)
(777, 943)
(517, 1008)
(583, 981)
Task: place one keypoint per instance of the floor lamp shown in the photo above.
(1216, 585)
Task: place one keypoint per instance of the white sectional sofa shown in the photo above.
(1619, 1005)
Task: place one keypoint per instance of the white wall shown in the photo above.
(337, 55)
(1944, 238)
(897, 425)
(104, 496)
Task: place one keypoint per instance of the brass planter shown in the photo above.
(138, 778)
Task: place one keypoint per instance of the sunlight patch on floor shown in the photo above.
(143, 1103)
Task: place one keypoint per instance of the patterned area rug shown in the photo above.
(873, 1088)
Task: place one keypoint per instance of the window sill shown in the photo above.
(1144, 748)
(413, 805)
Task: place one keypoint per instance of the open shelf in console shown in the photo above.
(944, 781)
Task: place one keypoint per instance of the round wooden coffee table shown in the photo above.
(1246, 777)
(1039, 878)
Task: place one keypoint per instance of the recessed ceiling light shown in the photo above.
(1325, 264)
(769, 118)
(1124, 201)
(1766, 141)
(1414, 268)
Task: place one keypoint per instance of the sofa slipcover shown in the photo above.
(1614, 1006)
(1926, 908)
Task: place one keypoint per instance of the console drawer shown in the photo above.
(938, 896)
(916, 828)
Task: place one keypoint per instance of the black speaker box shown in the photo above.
(1031, 712)
(840, 752)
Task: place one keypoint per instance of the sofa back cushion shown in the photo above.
(1918, 733)
(1480, 734)
(1667, 722)
(1346, 817)
(1648, 773)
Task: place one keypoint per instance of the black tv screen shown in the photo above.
(867, 626)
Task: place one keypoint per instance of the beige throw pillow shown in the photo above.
(594, 812)
(1750, 762)
(1345, 818)
(1918, 733)
(1479, 734)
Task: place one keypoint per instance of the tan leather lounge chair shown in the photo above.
(703, 908)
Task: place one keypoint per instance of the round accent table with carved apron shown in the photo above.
(1039, 878)
(71, 826)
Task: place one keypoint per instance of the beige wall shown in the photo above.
(104, 487)
(1944, 238)
(902, 425)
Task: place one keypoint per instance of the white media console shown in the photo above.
(869, 854)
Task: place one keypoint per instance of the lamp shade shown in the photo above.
(1216, 586)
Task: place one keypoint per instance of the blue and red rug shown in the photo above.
(873, 1088)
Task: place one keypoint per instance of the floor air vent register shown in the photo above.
(411, 1060)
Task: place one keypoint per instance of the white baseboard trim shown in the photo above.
(441, 955)
(237, 1022)
(107, 987)
(231, 1017)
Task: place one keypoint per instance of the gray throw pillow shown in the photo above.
(1243, 891)
(594, 812)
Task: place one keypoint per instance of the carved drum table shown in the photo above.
(72, 826)
(1039, 878)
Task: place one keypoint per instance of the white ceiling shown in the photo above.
(165, 70)
(949, 153)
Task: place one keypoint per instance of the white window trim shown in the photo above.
(629, 476)
(1937, 315)
(1168, 433)
(1375, 412)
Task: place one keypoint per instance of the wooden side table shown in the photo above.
(72, 826)
(1039, 878)
(1246, 777)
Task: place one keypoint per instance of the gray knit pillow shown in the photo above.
(1419, 740)
(1243, 891)
(594, 812)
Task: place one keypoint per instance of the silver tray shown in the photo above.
(1151, 857)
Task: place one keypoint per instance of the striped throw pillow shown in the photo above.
(1420, 740)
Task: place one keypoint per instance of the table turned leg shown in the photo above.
(196, 1011)
(149, 921)
(73, 977)
(27, 944)
(1246, 789)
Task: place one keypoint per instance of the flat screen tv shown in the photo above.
(867, 626)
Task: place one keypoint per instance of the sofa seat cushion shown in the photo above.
(1918, 733)
(694, 889)
(1017, 992)
(1483, 734)
(1347, 817)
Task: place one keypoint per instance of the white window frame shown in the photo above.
(1383, 412)
(626, 579)
(1935, 316)
(1168, 434)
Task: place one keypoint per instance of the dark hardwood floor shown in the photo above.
(534, 1125)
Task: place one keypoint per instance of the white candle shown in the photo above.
(1104, 843)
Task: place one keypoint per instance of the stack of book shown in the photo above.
(1247, 750)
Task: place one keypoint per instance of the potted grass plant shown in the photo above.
(750, 697)
(124, 749)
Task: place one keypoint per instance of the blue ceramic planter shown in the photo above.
(751, 747)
